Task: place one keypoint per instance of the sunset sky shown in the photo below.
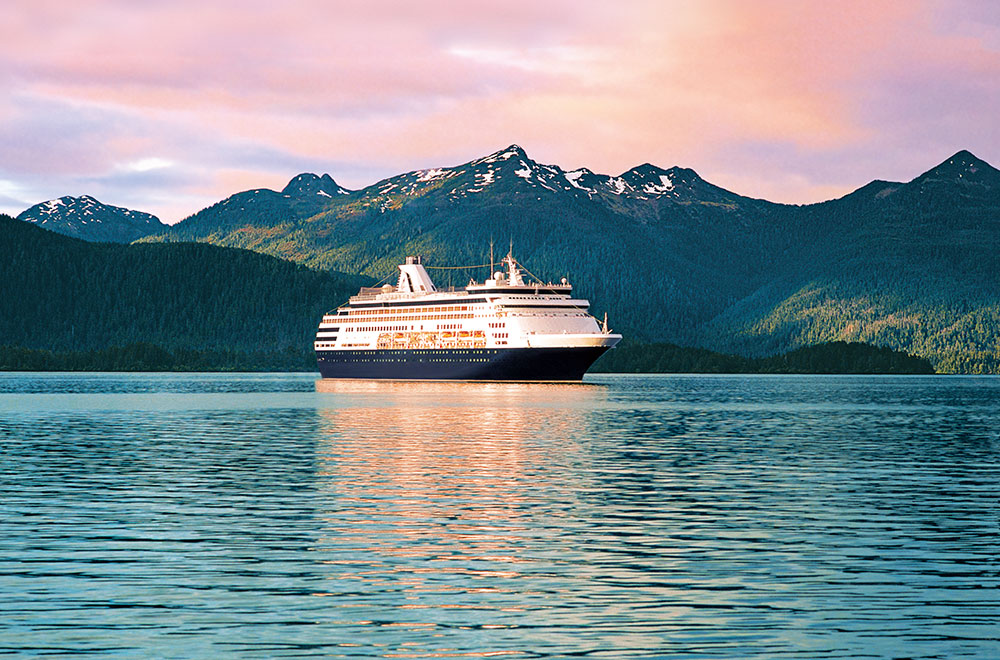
(168, 106)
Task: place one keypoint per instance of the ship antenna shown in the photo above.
(491, 258)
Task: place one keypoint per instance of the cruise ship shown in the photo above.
(505, 328)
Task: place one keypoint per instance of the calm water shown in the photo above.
(259, 516)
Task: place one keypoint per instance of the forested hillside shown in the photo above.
(911, 266)
(63, 294)
(671, 257)
(827, 358)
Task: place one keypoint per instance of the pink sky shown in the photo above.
(169, 106)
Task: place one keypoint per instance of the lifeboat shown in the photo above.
(463, 334)
(447, 335)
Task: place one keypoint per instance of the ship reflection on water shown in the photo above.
(441, 491)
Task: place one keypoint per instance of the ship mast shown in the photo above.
(513, 272)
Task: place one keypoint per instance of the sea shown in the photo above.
(628, 516)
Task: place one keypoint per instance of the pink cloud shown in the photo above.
(774, 97)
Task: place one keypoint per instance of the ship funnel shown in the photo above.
(413, 278)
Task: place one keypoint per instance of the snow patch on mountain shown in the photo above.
(665, 185)
(619, 186)
(573, 178)
(430, 175)
(484, 179)
(525, 172)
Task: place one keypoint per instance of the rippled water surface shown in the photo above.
(201, 516)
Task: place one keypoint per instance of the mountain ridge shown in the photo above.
(85, 217)
(324, 185)
(669, 255)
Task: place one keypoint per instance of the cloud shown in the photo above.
(146, 165)
(15, 196)
(798, 100)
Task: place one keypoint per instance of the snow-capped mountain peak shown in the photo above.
(86, 217)
(513, 151)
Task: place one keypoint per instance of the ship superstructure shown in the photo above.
(503, 329)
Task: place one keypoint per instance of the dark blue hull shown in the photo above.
(461, 364)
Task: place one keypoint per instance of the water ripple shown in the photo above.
(259, 516)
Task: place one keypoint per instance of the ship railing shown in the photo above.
(534, 286)
(373, 293)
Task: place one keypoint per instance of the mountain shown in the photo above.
(671, 257)
(654, 246)
(912, 266)
(88, 219)
(85, 217)
(58, 293)
(506, 174)
(304, 196)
